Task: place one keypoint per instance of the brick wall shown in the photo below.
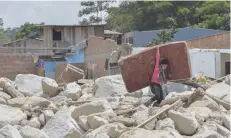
(97, 51)
(219, 41)
(11, 65)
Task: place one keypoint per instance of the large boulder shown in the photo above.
(62, 125)
(9, 131)
(165, 124)
(30, 132)
(110, 86)
(91, 108)
(184, 122)
(219, 90)
(50, 87)
(29, 84)
(10, 115)
(72, 91)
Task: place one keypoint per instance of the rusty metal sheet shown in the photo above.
(137, 69)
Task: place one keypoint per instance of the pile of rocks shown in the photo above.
(38, 107)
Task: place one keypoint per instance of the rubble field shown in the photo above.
(38, 107)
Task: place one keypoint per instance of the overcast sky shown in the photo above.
(15, 13)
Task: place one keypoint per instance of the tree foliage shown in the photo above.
(163, 37)
(155, 15)
(28, 30)
(3, 37)
(94, 9)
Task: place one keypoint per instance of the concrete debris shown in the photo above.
(10, 115)
(50, 87)
(73, 91)
(185, 123)
(9, 131)
(95, 121)
(105, 109)
(30, 132)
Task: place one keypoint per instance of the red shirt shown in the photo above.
(155, 75)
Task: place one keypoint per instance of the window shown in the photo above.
(56, 34)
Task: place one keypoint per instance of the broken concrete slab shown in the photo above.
(9, 131)
(23, 83)
(185, 123)
(49, 87)
(30, 132)
(10, 115)
(90, 108)
(110, 86)
(62, 125)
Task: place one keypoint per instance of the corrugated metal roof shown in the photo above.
(55, 25)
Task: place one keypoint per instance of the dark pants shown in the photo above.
(156, 89)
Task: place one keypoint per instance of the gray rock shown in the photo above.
(165, 124)
(2, 101)
(42, 119)
(34, 122)
(30, 132)
(125, 120)
(226, 121)
(223, 131)
(62, 125)
(9, 131)
(140, 133)
(10, 115)
(105, 115)
(102, 130)
(90, 108)
(110, 86)
(73, 91)
(219, 90)
(82, 122)
(58, 99)
(48, 114)
(17, 102)
(201, 113)
(5, 96)
(207, 134)
(185, 123)
(50, 87)
(24, 83)
(95, 121)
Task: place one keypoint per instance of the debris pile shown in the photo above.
(38, 107)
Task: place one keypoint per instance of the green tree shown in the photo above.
(94, 9)
(163, 37)
(3, 37)
(28, 30)
(214, 15)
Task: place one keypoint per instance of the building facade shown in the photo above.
(140, 38)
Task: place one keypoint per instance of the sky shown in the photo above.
(16, 13)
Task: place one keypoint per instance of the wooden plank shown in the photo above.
(137, 69)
